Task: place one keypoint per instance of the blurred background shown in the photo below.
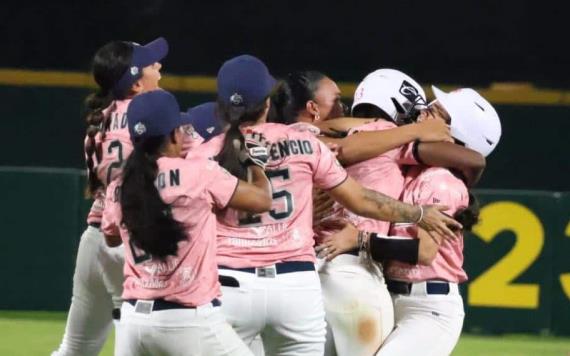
(514, 52)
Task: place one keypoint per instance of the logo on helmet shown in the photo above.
(409, 91)
(134, 70)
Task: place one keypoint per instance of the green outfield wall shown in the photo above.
(516, 258)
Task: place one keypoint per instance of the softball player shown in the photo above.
(162, 208)
(428, 308)
(266, 262)
(121, 71)
(361, 321)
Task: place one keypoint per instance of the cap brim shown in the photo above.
(150, 53)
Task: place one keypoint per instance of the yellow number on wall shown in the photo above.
(494, 288)
(565, 278)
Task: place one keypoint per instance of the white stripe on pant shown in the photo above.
(427, 325)
(177, 332)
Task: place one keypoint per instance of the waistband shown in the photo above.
(421, 288)
(95, 225)
(278, 268)
(147, 306)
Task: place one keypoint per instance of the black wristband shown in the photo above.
(416, 153)
(403, 250)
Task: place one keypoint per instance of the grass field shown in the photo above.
(39, 333)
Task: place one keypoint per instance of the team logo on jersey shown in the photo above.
(140, 128)
(236, 99)
(134, 70)
(409, 91)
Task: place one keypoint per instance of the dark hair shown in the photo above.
(369, 111)
(468, 216)
(235, 115)
(146, 216)
(109, 64)
(292, 95)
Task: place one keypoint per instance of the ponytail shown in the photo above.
(469, 216)
(96, 122)
(146, 216)
(236, 115)
(109, 64)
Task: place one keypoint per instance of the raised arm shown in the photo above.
(365, 145)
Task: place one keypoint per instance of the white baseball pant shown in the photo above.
(201, 331)
(358, 306)
(286, 309)
(97, 289)
(426, 324)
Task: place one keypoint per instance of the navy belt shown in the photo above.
(161, 304)
(405, 288)
(281, 267)
(95, 225)
(354, 252)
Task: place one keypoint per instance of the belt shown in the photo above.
(405, 288)
(354, 252)
(278, 268)
(95, 225)
(161, 304)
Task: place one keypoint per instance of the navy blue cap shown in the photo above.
(204, 118)
(154, 113)
(244, 81)
(142, 56)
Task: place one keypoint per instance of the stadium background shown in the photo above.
(514, 51)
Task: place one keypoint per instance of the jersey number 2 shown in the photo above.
(119, 162)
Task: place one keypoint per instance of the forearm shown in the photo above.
(365, 145)
(381, 207)
(449, 155)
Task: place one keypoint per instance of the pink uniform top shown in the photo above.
(193, 188)
(297, 160)
(432, 186)
(116, 147)
(382, 174)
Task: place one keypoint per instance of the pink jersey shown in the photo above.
(432, 186)
(116, 147)
(382, 174)
(193, 188)
(297, 161)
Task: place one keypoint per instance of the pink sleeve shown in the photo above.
(328, 173)
(406, 155)
(221, 185)
(191, 140)
(112, 212)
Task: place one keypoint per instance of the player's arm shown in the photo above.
(413, 251)
(365, 145)
(254, 197)
(449, 155)
(375, 205)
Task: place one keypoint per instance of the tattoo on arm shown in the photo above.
(389, 209)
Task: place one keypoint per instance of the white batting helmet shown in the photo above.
(396, 93)
(474, 121)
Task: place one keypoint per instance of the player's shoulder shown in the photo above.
(441, 181)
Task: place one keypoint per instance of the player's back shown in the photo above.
(428, 186)
(382, 173)
(192, 189)
(297, 160)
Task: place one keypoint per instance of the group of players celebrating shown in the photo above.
(269, 221)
